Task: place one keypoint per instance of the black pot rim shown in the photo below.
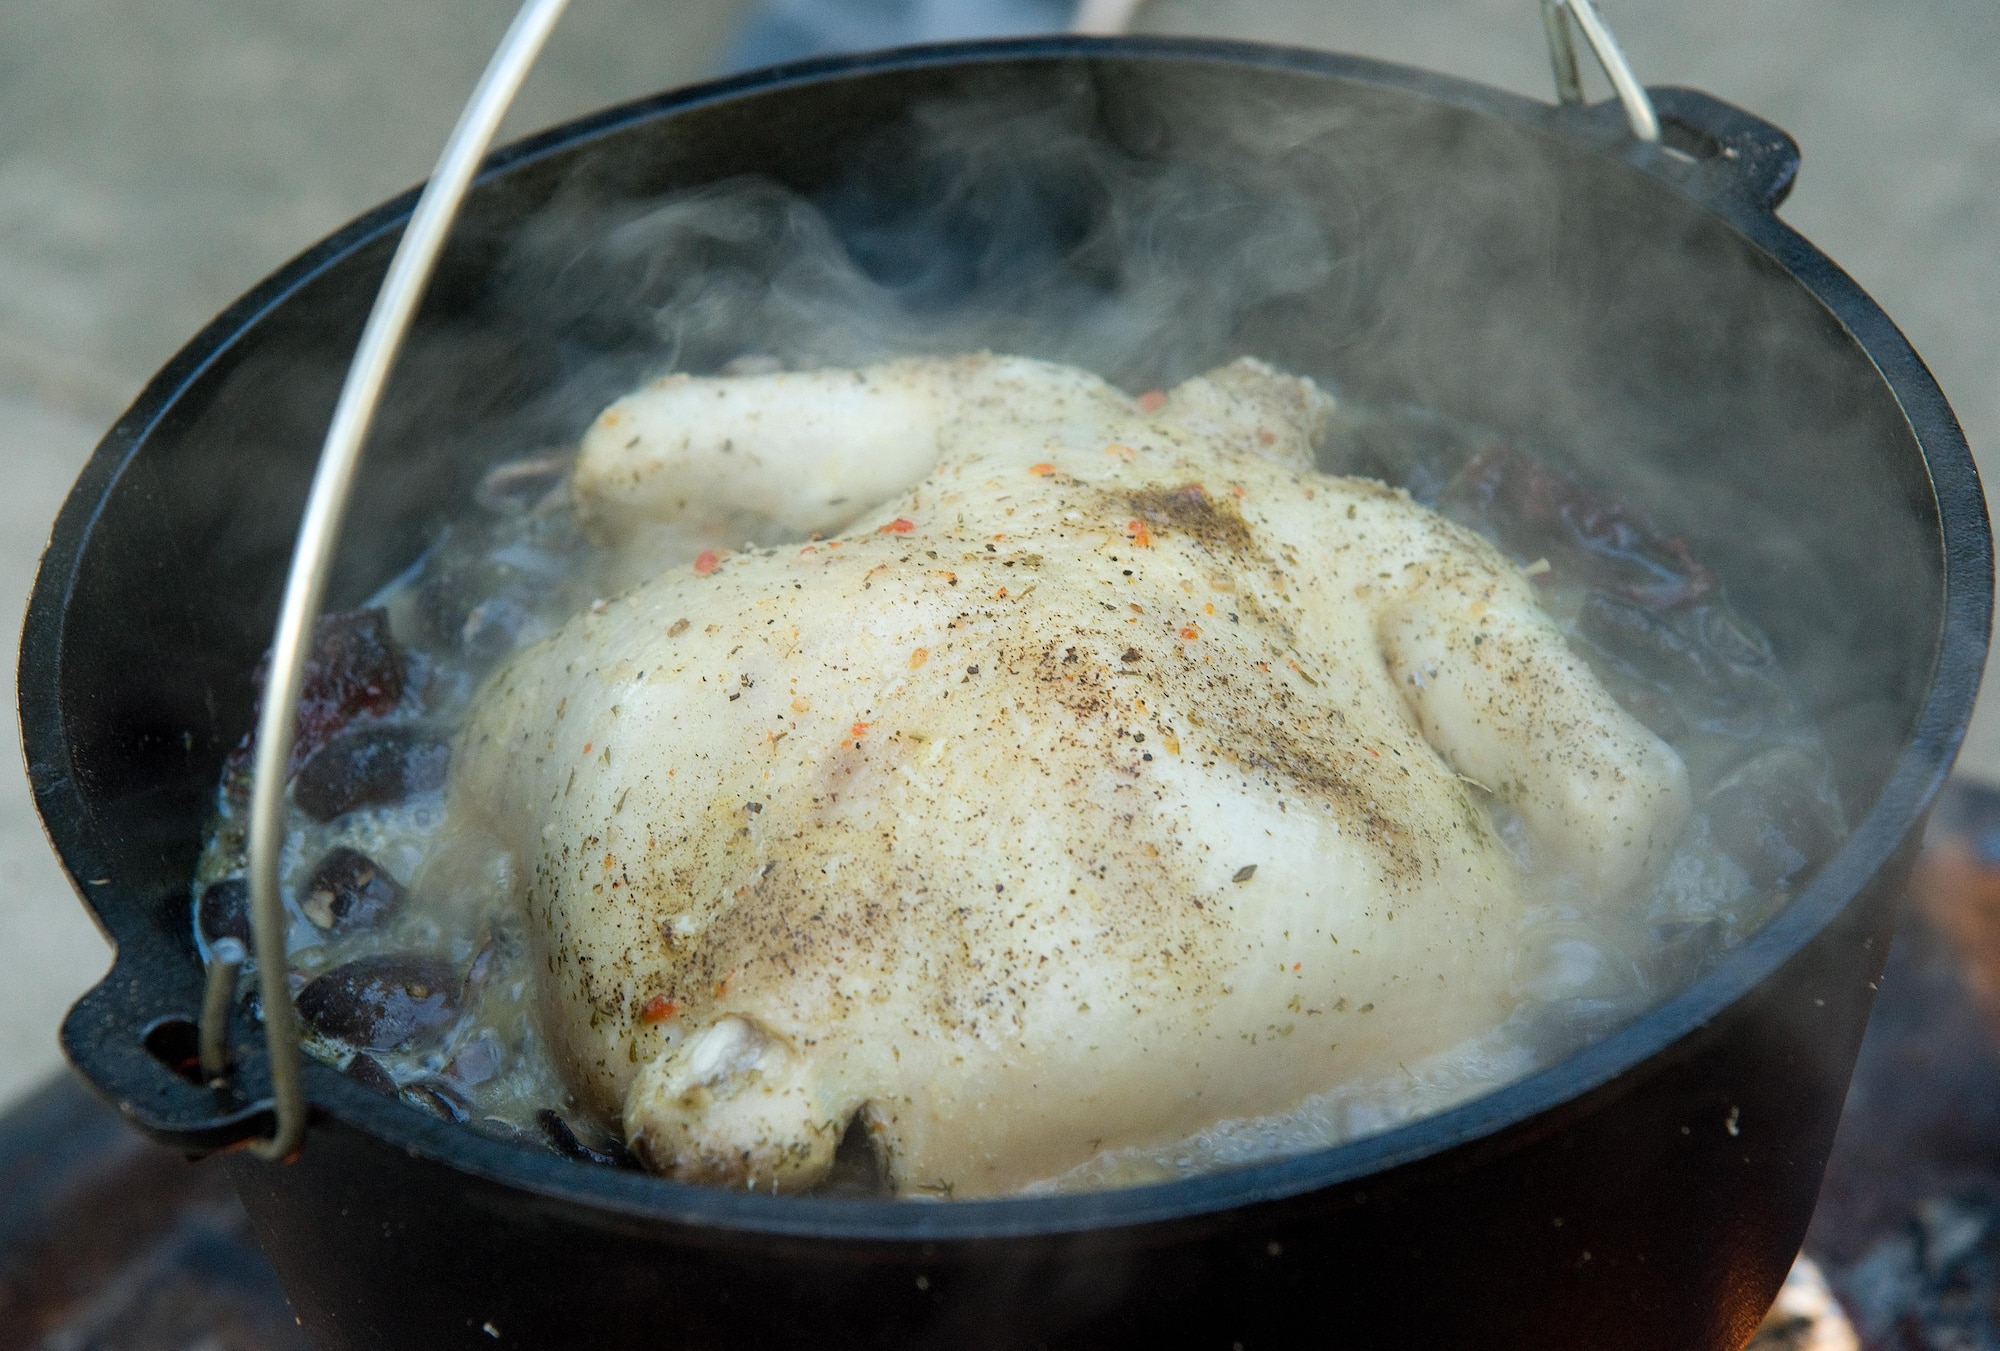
(1549, 1093)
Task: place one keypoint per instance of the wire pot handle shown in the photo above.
(1556, 18)
(1118, 16)
(319, 533)
(340, 457)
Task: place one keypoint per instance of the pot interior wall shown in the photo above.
(1480, 267)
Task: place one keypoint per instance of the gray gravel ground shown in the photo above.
(156, 160)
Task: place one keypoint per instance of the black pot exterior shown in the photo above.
(1647, 1193)
(1659, 1212)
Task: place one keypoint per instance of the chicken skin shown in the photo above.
(1066, 772)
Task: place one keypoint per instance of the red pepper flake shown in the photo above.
(659, 1009)
(587, 745)
(1297, 965)
(706, 562)
(1001, 594)
(1264, 438)
(1372, 751)
(1237, 489)
(899, 526)
(1190, 633)
(1139, 534)
(859, 730)
(1042, 470)
(1150, 401)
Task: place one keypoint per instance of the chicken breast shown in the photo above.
(1115, 773)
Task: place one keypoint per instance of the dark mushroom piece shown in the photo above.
(1539, 512)
(350, 890)
(370, 766)
(355, 667)
(386, 1003)
(224, 911)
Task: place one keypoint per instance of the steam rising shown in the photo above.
(1150, 219)
(1012, 229)
(1153, 221)
(1150, 226)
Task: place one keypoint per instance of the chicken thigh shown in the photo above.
(1104, 773)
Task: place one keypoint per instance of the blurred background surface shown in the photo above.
(157, 160)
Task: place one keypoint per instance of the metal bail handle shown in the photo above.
(319, 534)
(1118, 16)
(1556, 16)
(340, 457)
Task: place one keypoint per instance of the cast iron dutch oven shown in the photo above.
(1646, 1194)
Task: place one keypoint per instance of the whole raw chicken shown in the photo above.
(1070, 773)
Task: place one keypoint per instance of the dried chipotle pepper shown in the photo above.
(355, 667)
(1538, 512)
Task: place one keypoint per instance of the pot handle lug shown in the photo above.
(141, 1053)
(1760, 162)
